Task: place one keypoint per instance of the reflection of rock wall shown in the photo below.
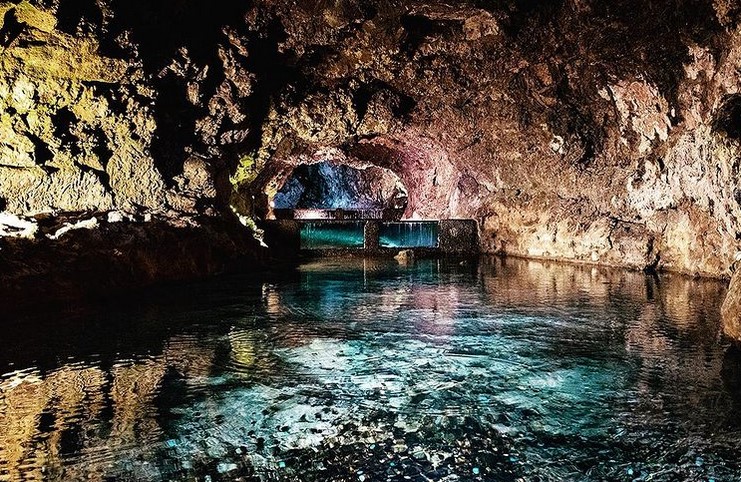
(669, 324)
(528, 283)
(673, 333)
(692, 303)
(38, 411)
(21, 404)
(132, 392)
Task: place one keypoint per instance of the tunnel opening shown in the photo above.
(334, 191)
(379, 196)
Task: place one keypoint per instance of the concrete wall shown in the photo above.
(459, 236)
(371, 234)
(283, 237)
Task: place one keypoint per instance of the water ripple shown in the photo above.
(360, 370)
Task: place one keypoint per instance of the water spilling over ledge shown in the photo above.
(349, 235)
(368, 369)
(411, 234)
(316, 235)
(374, 237)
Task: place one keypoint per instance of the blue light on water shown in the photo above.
(406, 234)
(502, 370)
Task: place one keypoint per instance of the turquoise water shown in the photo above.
(323, 235)
(409, 234)
(371, 371)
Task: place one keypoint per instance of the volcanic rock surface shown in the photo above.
(606, 132)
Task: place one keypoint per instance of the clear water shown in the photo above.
(318, 235)
(372, 371)
(409, 234)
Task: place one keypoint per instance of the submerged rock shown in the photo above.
(405, 256)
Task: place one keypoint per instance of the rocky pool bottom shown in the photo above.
(358, 370)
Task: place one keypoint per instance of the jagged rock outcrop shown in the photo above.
(604, 132)
(66, 145)
(104, 260)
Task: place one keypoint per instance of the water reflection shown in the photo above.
(368, 370)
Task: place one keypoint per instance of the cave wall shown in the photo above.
(591, 131)
(72, 135)
(597, 131)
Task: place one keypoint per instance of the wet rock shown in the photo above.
(731, 309)
(91, 223)
(136, 255)
(226, 467)
(405, 256)
(115, 217)
(14, 226)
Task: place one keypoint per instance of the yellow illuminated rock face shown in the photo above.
(63, 147)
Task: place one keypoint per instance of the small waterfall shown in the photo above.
(409, 234)
(349, 234)
(326, 235)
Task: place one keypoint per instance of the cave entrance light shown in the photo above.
(332, 191)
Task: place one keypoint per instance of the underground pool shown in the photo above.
(370, 370)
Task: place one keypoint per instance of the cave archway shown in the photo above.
(411, 176)
(321, 189)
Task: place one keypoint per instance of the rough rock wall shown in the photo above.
(73, 135)
(600, 131)
(103, 110)
(595, 131)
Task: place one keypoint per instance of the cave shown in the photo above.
(333, 206)
(370, 240)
